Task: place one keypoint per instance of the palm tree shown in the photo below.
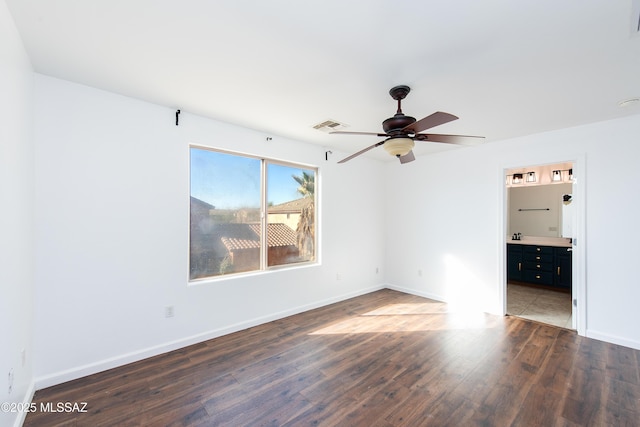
(306, 224)
(306, 184)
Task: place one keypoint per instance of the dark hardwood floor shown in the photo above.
(382, 359)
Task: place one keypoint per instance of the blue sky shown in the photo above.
(228, 182)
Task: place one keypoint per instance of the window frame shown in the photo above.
(263, 239)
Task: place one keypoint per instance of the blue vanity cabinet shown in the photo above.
(514, 262)
(541, 265)
(562, 268)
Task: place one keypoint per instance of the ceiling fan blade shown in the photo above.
(436, 119)
(377, 144)
(409, 157)
(357, 133)
(449, 139)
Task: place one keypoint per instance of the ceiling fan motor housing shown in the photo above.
(394, 126)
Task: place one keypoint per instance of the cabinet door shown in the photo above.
(514, 262)
(562, 270)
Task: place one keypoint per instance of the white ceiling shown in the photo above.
(506, 68)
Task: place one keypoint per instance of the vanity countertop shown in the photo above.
(559, 242)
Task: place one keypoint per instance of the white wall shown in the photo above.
(16, 217)
(112, 221)
(452, 228)
(527, 214)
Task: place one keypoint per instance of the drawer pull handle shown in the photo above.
(538, 249)
(538, 266)
(558, 271)
(519, 266)
(538, 258)
(537, 276)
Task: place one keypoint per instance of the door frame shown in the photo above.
(578, 264)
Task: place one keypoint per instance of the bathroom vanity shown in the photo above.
(543, 261)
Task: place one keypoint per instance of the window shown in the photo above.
(229, 232)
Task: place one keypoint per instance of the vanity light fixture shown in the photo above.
(517, 178)
(531, 177)
(557, 176)
(571, 174)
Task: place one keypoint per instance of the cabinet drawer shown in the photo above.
(538, 266)
(511, 248)
(543, 250)
(542, 277)
(538, 257)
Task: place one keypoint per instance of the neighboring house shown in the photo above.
(289, 212)
(244, 251)
(219, 246)
(200, 210)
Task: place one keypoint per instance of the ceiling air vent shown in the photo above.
(329, 126)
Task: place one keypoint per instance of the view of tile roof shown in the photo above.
(246, 236)
(294, 206)
(279, 235)
(233, 244)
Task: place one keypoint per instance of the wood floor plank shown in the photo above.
(540, 408)
(382, 359)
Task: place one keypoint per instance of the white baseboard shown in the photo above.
(113, 362)
(411, 291)
(612, 339)
(485, 309)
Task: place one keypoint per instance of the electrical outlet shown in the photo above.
(168, 311)
(377, 270)
(419, 273)
(338, 276)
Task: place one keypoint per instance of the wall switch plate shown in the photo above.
(168, 311)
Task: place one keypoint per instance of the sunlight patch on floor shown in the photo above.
(410, 308)
(416, 317)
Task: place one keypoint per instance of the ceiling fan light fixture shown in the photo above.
(399, 146)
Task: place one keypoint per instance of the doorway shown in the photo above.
(540, 229)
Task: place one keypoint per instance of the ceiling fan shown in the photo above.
(401, 131)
